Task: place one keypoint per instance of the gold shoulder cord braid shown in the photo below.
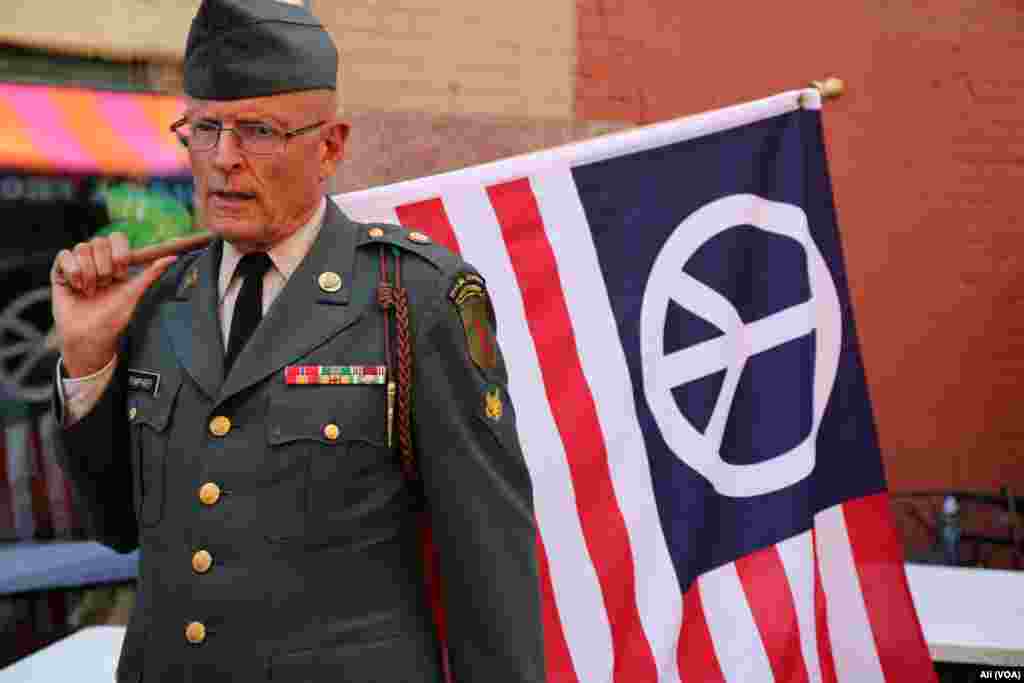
(394, 296)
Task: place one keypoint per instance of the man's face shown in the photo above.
(255, 201)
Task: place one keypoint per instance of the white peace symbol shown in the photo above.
(661, 373)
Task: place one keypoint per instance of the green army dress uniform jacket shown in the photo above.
(279, 539)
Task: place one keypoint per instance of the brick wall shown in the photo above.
(119, 29)
(388, 146)
(457, 56)
(429, 85)
(449, 57)
(927, 156)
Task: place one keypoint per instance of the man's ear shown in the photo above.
(334, 147)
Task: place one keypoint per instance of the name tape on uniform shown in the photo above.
(144, 380)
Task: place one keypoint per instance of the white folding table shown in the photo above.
(86, 656)
(972, 616)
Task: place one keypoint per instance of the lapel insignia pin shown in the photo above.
(492, 404)
(419, 237)
(335, 374)
(375, 233)
(329, 281)
(188, 282)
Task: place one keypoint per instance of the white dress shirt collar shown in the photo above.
(286, 255)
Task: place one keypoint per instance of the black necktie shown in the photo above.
(248, 305)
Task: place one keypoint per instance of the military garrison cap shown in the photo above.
(255, 48)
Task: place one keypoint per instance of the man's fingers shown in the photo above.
(103, 260)
(70, 266)
(65, 270)
(153, 271)
(87, 268)
(119, 254)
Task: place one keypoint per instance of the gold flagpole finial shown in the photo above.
(830, 87)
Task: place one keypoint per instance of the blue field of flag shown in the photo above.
(739, 227)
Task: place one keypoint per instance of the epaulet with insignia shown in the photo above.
(413, 241)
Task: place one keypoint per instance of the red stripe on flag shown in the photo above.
(430, 217)
(771, 601)
(878, 556)
(435, 588)
(575, 415)
(696, 653)
(557, 659)
(825, 659)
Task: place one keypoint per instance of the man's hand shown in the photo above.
(94, 297)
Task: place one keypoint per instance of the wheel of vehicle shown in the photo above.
(28, 353)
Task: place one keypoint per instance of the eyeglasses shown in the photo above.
(254, 137)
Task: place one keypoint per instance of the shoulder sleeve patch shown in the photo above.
(470, 299)
(465, 286)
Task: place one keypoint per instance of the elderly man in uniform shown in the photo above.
(267, 418)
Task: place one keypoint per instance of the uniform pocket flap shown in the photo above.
(153, 406)
(379, 647)
(303, 418)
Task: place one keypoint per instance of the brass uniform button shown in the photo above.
(209, 493)
(202, 561)
(419, 237)
(220, 425)
(132, 412)
(195, 632)
(329, 281)
(375, 233)
(331, 432)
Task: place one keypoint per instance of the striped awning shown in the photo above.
(71, 130)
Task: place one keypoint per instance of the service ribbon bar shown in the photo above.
(335, 374)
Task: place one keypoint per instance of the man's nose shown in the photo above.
(228, 152)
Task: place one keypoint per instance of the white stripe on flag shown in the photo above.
(659, 599)
(853, 644)
(596, 149)
(797, 559)
(734, 632)
(573, 579)
(360, 208)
